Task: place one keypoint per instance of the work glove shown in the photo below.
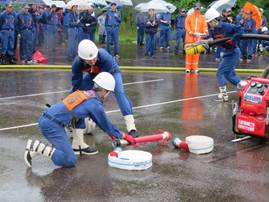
(198, 34)
(128, 138)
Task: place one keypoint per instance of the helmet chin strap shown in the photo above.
(103, 94)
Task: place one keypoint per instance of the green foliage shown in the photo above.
(187, 4)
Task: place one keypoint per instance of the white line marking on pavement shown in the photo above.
(241, 139)
(138, 107)
(64, 91)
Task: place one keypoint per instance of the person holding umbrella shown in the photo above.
(151, 31)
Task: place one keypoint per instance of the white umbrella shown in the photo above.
(122, 2)
(190, 11)
(99, 2)
(157, 5)
(85, 4)
(59, 4)
(220, 5)
(171, 7)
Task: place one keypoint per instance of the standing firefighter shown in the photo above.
(7, 25)
(112, 23)
(165, 29)
(231, 56)
(196, 27)
(180, 29)
(25, 27)
(80, 104)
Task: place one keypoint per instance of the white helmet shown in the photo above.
(87, 50)
(105, 80)
(211, 14)
(264, 29)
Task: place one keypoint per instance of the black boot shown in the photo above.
(5, 60)
(11, 60)
(2, 58)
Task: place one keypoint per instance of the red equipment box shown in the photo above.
(251, 115)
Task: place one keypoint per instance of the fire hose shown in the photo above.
(204, 45)
(161, 138)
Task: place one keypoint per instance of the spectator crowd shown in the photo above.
(34, 26)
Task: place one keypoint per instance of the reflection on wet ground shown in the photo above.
(232, 172)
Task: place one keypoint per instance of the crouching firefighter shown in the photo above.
(89, 62)
(79, 104)
(231, 57)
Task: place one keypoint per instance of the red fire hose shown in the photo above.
(161, 138)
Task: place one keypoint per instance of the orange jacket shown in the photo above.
(195, 22)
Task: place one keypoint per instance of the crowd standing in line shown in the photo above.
(37, 26)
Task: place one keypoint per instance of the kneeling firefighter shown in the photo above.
(80, 105)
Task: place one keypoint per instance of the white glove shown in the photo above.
(261, 48)
(87, 24)
(198, 34)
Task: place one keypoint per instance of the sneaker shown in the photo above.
(87, 151)
(25, 62)
(222, 97)
(134, 133)
(27, 153)
(31, 62)
(168, 48)
(187, 71)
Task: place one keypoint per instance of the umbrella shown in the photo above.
(157, 5)
(220, 5)
(99, 2)
(190, 11)
(122, 2)
(84, 4)
(256, 14)
(59, 4)
(171, 7)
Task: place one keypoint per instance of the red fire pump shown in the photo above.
(251, 113)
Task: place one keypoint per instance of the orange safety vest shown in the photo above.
(76, 98)
(195, 22)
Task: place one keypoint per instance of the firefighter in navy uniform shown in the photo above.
(231, 56)
(91, 61)
(79, 104)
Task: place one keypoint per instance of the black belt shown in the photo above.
(53, 119)
(8, 29)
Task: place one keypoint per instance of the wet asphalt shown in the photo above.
(232, 172)
(132, 55)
